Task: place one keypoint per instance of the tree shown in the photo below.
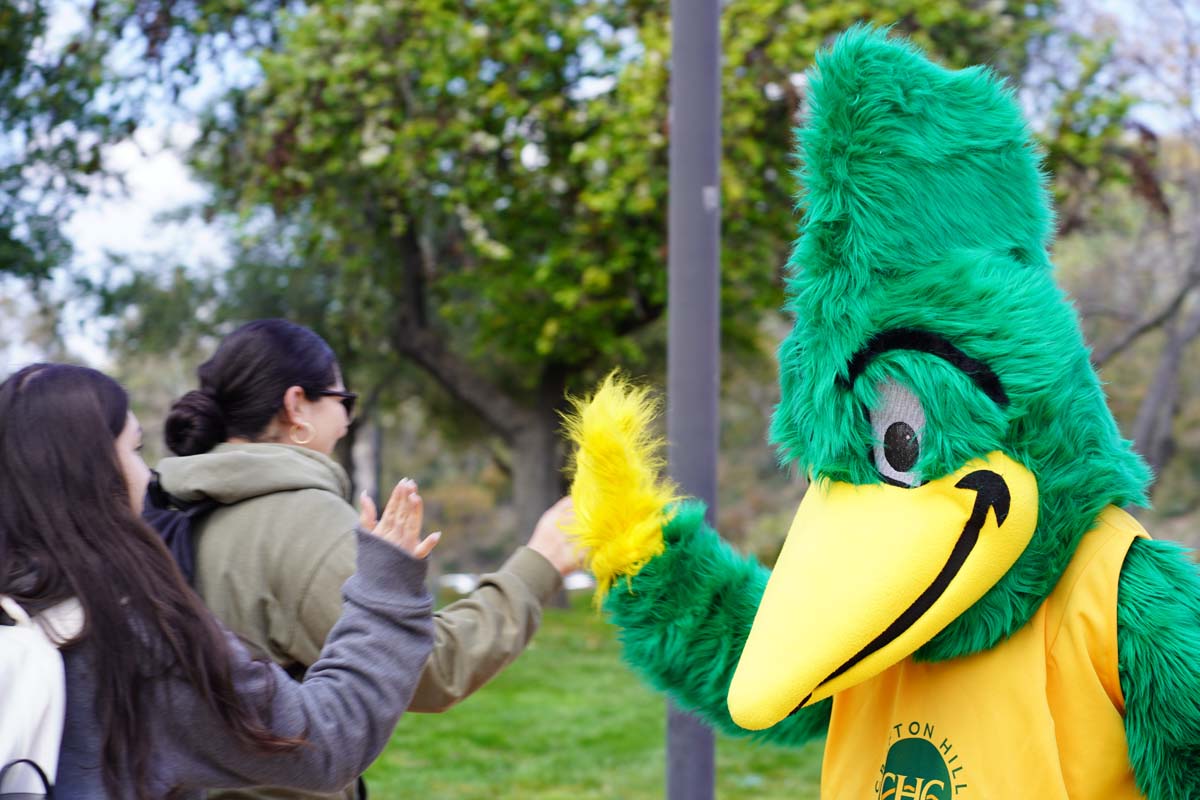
(53, 125)
(1146, 278)
(481, 189)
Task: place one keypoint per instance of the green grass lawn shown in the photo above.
(568, 720)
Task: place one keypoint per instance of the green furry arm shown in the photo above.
(685, 617)
(1158, 644)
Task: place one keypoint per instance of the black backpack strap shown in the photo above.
(49, 789)
(174, 520)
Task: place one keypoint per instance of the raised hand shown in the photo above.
(550, 537)
(401, 521)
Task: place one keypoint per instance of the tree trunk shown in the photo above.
(537, 462)
(1153, 430)
(528, 423)
(367, 455)
(345, 453)
(360, 454)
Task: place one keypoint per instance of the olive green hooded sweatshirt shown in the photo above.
(272, 558)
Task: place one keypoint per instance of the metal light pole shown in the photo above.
(693, 313)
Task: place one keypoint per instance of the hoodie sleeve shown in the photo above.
(474, 638)
(481, 634)
(345, 709)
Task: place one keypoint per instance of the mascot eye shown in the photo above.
(898, 421)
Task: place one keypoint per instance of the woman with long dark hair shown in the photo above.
(160, 700)
(256, 437)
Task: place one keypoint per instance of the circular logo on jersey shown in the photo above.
(915, 770)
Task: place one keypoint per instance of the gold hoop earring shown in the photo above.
(304, 426)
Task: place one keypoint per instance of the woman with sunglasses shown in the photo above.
(160, 700)
(256, 438)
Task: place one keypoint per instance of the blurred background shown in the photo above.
(468, 201)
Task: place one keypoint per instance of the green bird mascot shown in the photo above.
(961, 608)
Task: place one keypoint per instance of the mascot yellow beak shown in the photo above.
(870, 573)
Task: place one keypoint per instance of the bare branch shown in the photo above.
(1147, 325)
(1190, 282)
(1152, 429)
(412, 336)
(429, 351)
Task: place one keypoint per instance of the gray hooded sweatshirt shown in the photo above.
(270, 561)
(346, 707)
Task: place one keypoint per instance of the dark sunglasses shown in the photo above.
(348, 399)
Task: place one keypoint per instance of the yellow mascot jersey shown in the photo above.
(1038, 716)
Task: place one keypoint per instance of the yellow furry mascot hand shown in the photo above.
(683, 599)
(621, 502)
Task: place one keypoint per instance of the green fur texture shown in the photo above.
(924, 207)
(1158, 643)
(685, 617)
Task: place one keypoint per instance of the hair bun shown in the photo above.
(195, 424)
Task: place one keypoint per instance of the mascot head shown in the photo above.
(935, 388)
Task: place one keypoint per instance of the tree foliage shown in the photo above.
(479, 190)
(53, 125)
(499, 169)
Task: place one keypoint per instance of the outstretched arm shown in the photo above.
(684, 599)
(478, 636)
(1158, 643)
(685, 616)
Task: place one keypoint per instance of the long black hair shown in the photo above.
(68, 529)
(242, 385)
